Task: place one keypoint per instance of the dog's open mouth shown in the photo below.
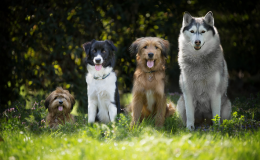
(98, 67)
(60, 108)
(150, 63)
(197, 48)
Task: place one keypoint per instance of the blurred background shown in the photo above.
(41, 42)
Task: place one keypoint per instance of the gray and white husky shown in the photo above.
(204, 74)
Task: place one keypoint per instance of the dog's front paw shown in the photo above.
(91, 121)
(191, 127)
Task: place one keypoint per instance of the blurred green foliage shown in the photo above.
(41, 41)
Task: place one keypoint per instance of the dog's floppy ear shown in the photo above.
(165, 47)
(209, 18)
(86, 46)
(186, 19)
(111, 44)
(72, 101)
(47, 101)
(133, 49)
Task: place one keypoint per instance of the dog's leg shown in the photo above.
(160, 111)
(215, 104)
(103, 115)
(215, 97)
(181, 109)
(137, 106)
(225, 109)
(112, 112)
(188, 100)
(92, 110)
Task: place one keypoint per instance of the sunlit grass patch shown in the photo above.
(24, 135)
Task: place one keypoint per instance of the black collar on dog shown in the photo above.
(103, 77)
(150, 72)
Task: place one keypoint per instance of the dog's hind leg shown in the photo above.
(170, 109)
(225, 109)
(181, 110)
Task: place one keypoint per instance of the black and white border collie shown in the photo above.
(103, 96)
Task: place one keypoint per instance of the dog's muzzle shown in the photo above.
(197, 45)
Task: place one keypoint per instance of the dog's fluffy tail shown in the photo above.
(170, 109)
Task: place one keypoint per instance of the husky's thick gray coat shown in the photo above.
(204, 74)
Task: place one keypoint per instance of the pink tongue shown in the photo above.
(60, 108)
(150, 63)
(98, 67)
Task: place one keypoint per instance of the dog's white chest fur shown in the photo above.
(101, 94)
(150, 100)
(100, 86)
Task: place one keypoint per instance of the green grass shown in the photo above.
(25, 136)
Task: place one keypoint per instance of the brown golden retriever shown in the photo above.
(59, 104)
(149, 81)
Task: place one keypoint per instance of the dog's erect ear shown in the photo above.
(165, 47)
(209, 18)
(111, 44)
(86, 46)
(186, 19)
(133, 49)
(47, 101)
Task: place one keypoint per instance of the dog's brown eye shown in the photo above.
(191, 31)
(202, 31)
(55, 98)
(145, 47)
(94, 51)
(103, 51)
(156, 47)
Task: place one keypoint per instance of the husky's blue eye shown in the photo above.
(145, 47)
(191, 31)
(202, 31)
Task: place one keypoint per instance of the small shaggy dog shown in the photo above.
(149, 81)
(59, 104)
(103, 96)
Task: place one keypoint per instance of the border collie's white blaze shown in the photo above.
(103, 97)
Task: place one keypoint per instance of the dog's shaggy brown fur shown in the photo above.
(149, 83)
(59, 103)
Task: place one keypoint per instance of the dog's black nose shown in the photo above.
(150, 55)
(197, 42)
(60, 102)
(98, 60)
